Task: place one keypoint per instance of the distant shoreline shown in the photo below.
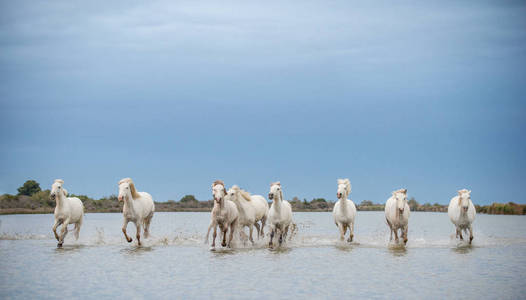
(28, 211)
(39, 202)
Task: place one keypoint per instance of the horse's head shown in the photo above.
(464, 196)
(218, 190)
(127, 189)
(344, 188)
(400, 197)
(57, 190)
(276, 193)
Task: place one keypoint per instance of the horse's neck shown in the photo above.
(343, 202)
(129, 203)
(60, 201)
(242, 204)
(277, 204)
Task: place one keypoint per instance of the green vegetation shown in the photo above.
(31, 199)
(29, 188)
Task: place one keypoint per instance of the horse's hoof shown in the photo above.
(270, 245)
(59, 245)
(129, 240)
(405, 241)
(223, 244)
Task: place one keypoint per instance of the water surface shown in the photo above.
(175, 262)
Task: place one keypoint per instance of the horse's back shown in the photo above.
(76, 209)
(261, 206)
(147, 202)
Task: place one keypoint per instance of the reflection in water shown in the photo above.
(397, 250)
(68, 249)
(463, 248)
(137, 250)
(346, 247)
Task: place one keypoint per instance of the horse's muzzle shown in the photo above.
(270, 196)
(338, 195)
(52, 196)
(121, 198)
(401, 210)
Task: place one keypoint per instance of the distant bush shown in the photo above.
(29, 188)
(188, 198)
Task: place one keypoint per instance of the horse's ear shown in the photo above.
(65, 192)
(460, 192)
(404, 191)
(469, 192)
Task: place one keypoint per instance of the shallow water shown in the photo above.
(174, 261)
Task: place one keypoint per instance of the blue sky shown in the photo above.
(425, 95)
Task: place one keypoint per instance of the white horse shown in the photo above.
(261, 205)
(69, 210)
(280, 213)
(252, 208)
(224, 214)
(397, 214)
(462, 213)
(344, 210)
(138, 208)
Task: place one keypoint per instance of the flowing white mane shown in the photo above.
(402, 191)
(347, 184)
(460, 193)
(61, 182)
(243, 193)
(134, 192)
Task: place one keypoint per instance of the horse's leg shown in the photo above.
(57, 223)
(212, 223)
(470, 233)
(77, 229)
(263, 221)
(342, 231)
(138, 235)
(460, 234)
(391, 229)
(147, 226)
(214, 236)
(224, 229)
(272, 230)
(129, 239)
(351, 232)
(286, 232)
(251, 229)
(257, 229)
(63, 232)
(395, 231)
(232, 229)
(405, 234)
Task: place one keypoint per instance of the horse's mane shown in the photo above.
(460, 192)
(243, 193)
(134, 192)
(64, 191)
(220, 182)
(347, 184)
(403, 191)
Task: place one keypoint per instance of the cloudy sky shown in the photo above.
(425, 95)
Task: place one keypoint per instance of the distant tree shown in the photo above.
(29, 188)
(413, 204)
(318, 200)
(366, 203)
(188, 198)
